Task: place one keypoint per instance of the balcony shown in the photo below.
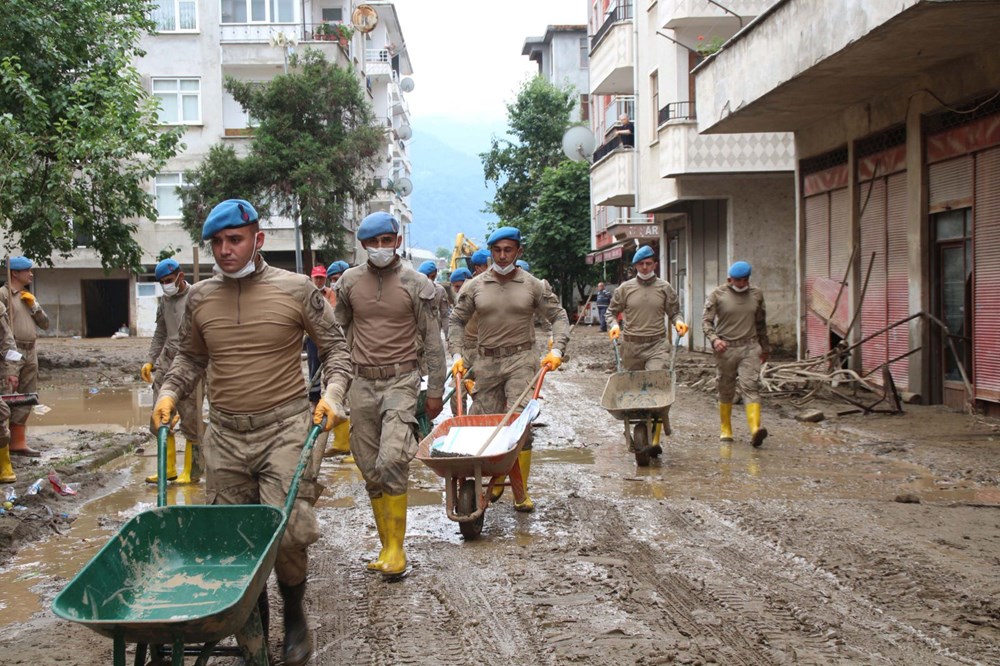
(679, 14)
(612, 176)
(378, 64)
(676, 111)
(634, 228)
(684, 151)
(255, 44)
(612, 54)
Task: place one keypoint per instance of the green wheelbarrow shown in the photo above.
(183, 575)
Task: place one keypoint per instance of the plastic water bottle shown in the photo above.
(34, 487)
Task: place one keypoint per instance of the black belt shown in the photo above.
(384, 371)
(644, 338)
(248, 422)
(506, 351)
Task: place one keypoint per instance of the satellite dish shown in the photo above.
(404, 132)
(406, 85)
(578, 143)
(404, 187)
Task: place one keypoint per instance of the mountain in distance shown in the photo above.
(449, 193)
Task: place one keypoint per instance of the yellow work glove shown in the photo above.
(28, 298)
(553, 359)
(614, 333)
(163, 412)
(334, 413)
(146, 373)
(458, 367)
(681, 328)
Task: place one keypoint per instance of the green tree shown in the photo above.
(560, 229)
(311, 155)
(442, 253)
(536, 120)
(78, 132)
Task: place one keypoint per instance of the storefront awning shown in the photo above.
(606, 253)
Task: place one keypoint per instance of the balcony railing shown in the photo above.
(677, 111)
(609, 147)
(378, 55)
(619, 14)
(280, 33)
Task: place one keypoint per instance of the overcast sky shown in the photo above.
(466, 55)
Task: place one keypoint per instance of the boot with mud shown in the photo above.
(726, 421)
(6, 469)
(171, 461)
(524, 460)
(297, 648)
(498, 488)
(378, 508)
(394, 562)
(18, 441)
(192, 463)
(655, 449)
(340, 440)
(757, 433)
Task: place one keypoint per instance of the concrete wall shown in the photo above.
(564, 69)
(61, 295)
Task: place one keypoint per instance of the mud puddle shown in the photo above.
(92, 408)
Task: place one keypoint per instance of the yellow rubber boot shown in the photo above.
(498, 488)
(192, 463)
(171, 461)
(341, 440)
(378, 510)
(757, 433)
(6, 469)
(726, 420)
(394, 562)
(524, 460)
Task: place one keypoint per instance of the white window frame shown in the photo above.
(177, 16)
(268, 18)
(156, 193)
(181, 94)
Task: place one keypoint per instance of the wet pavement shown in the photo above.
(850, 541)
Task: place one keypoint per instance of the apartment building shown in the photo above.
(563, 56)
(198, 43)
(896, 120)
(702, 201)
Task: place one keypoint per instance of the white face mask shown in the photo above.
(250, 267)
(170, 289)
(739, 290)
(504, 270)
(381, 257)
(646, 276)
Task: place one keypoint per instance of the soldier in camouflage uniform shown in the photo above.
(735, 322)
(245, 326)
(389, 313)
(506, 300)
(9, 353)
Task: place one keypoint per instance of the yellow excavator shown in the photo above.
(461, 253)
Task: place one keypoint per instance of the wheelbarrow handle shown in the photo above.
(616, 347)
(538, 385)
(161, 464)
(307, 447)
(458, 393)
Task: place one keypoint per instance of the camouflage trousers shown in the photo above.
(255, 465)
(187, 408)
(27, 381)
(384, 430)
(500, 379)
(739, 365)
(645, 355)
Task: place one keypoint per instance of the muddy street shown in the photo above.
(853, 540)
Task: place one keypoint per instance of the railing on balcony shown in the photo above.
(609, 147)
(378, 55)
(677, 111)
(281, 33)
(618, 14)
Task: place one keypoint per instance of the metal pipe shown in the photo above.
(728, 11)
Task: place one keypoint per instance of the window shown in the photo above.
(584, 53)
(180, 100)
(168, 203)
(175, 15)
(333, 14)
(258, 11)
(654, 97)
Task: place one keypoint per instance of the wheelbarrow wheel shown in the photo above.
(640, 440)
(467, 505)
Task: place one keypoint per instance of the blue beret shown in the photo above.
(739, 270)
(20, 263)
(644, 252)
(505, 233)
(230, 214)
(521, 263)
(377, 224)
(480, 257)
(428, 267)
(460, 274)
(336, 268)
(166, 267)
